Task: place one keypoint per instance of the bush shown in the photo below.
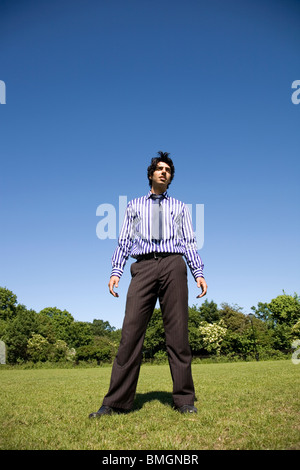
(38, 348)
(160, 357)
(93, 353)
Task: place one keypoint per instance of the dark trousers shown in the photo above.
(165, 279)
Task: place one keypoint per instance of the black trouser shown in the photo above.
(165, 279)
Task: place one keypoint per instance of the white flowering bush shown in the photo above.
(212, 335)
(38, 348)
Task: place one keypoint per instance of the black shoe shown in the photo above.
(187, 409)
(106, 410)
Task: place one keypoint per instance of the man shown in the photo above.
(157, 232)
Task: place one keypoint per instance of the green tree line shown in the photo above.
(54, 335)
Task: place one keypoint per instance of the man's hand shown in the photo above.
(113, 282)
(201, 283)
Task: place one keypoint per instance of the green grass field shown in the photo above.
(246, 405)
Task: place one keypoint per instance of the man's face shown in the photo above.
(161, 176)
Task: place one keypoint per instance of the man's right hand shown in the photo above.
(113, 282)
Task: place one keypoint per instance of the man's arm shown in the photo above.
(122, 251)
(192, 256)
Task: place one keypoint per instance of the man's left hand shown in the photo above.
(201, 283)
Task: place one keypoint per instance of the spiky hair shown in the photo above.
(161, 157)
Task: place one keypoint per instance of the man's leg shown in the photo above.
(173, 296)
(140, 303)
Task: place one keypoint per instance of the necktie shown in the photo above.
(157, 225)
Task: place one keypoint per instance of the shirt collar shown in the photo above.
(165, 195)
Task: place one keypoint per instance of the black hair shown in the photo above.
(162, 157)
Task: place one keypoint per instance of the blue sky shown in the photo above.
(95, 88)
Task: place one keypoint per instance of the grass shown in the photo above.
(247, 406)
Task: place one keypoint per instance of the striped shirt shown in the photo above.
(135, 237)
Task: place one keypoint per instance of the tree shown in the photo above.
(101, 328)
(263, 312)
(282, 336)
(193, 327)
(235, 344)
(285, 309)
(18, 331)
(61, 321)
(155, 335)
(281, 316)
(80, 334)
(101, 350)
(46, 328)
(233, 318)
(8, 304)
(208, 311)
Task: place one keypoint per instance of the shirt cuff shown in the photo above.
(116, 272)
(198, 273)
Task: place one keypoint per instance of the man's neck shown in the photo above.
(158, 191)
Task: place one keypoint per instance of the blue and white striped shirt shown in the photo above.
(135, 237)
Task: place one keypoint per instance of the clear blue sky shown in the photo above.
(95, 88)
